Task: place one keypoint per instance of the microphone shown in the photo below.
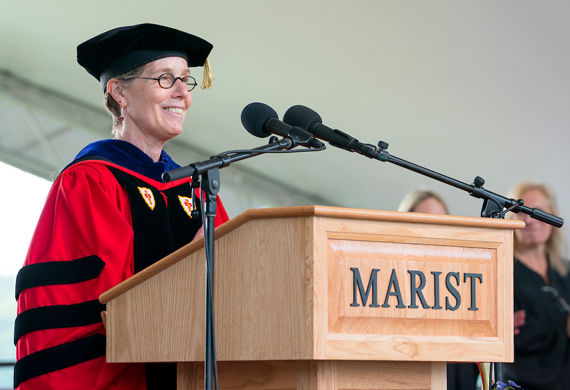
(261, 121)
(309, 120)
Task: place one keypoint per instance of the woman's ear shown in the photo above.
(116, 90)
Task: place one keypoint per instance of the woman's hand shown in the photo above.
(519, 318)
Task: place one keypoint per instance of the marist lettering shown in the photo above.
(452, 280)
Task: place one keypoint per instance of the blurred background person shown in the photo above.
(423, 201)
(541, 294)
(460, 376)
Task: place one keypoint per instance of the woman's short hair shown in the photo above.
(556, 247)
(414, 198)
(111, 105)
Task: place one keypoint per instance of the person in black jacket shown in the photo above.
(542, 294)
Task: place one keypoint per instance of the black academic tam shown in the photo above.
(123, 49)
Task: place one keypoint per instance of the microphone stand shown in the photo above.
(494, 205)
(209, 170)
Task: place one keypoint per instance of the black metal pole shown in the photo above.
(429, 173)
(222, 161)
(498, 372)
(494, 205)
(210, 187)
(209, 171)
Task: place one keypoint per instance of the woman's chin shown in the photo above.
(168, 135)
(172, 128)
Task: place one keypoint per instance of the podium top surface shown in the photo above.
(307, 211)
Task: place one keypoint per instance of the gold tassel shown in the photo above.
(208, 76)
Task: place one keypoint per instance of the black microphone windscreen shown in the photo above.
(254, 116)
(301, 116)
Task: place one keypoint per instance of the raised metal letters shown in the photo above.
(416, 291)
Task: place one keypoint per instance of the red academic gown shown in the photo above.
(84, 244)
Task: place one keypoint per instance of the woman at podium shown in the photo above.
(542, 294)
(109, 215)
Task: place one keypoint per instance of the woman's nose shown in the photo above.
(180, 87)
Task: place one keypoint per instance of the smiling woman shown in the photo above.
(109, 215)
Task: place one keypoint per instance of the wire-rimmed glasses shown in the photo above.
(167, 80)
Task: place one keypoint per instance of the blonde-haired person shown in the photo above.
(423, 201)
(542, 325)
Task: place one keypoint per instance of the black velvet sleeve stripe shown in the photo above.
(57, 316)
(59, 357)
(58, 272)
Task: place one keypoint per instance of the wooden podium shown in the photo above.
(326, 298)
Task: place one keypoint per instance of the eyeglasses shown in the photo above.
(166, 81)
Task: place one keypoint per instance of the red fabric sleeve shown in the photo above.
(86, 213)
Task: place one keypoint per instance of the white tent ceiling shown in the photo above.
(464, 88)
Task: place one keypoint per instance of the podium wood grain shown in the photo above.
(284, 289)
(317, 375)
